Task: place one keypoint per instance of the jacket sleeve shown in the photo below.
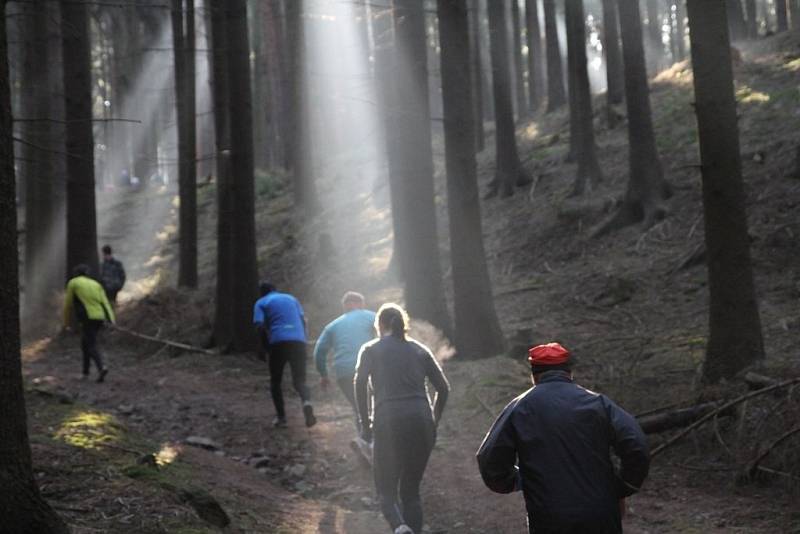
(630, 444)
(258, 314)
(497, 455)
(122, 276)
(434, 373)
(321, 350)
(68, 303)
(363, 371)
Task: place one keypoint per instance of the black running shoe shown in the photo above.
(102, 376)
(279, 422)
(308, 412)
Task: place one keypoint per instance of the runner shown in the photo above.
(403, 422)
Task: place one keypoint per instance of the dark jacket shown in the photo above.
(112, 275)
(553, 442)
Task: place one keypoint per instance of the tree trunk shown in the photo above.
(183, 45)
(424, 293)
(647, 188)
(43, 245)
(533, 36)
(582, 131)
(300, 152)
(734, 340)
(476, 72)
(79, 140)
(24, 509)
(736, 22)
(275, 106)
(243, 250)
(654, 43)
(519, 66)
(680, 28)
(556, 94)
(509, 171)
(260, 83)
(781, 14)
(752, 19)
(477, 329)
(218, 58)
(795, 14)
(614, 74)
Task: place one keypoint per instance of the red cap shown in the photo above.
(549, 354)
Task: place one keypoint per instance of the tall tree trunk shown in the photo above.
(476, 72)
(647, 188)
(752, 19)
(424, 293)
(737, 26)
(509, 171)
(477, 329)
(226, 213)
(680, 28)
(260, 85)
(79, 140)
(299, 146)
(24, 509)
(183, 44)
(654, 43)
(519, 66)
(734, 340)
(37, 166)
(795, 14)
(275, 40)
(486, 73)
(781, 13)
(556, 94)
(243, 250)
(615, 77)
(533, 37)
(582, 132)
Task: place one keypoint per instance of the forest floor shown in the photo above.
(635, 318)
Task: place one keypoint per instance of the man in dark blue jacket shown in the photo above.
(553, 442)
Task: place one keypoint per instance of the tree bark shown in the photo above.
(782, 19)
(614, 74)
(183, 43)
(477, 329)
(79, 140)
(654, 43)
(509, 171)
(299, 147)
(218, 57)
(680, 28)
(736, 22)
(519, 66)
(424, 293)
(752, 19)
(533, 37)
(39, 89)
(582, 131)
(24, 509)
(556, 94)
(476, 72)
(647, 189)
(734, 323)
(243, 250)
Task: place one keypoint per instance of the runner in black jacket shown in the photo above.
(403, 421)
(553, 442)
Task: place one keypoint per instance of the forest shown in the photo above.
(619, 179)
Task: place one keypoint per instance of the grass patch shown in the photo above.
(269, 184)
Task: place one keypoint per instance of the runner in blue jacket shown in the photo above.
(344, 336)
(553, 442)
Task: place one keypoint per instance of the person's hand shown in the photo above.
(622, 508)
(325, 383)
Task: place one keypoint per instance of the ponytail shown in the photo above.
(393, 319)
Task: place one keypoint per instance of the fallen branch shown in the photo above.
(719, 410)
(175, 344)
(753, 466)
(659, 422)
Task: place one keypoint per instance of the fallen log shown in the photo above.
(659, 422)
(175, 344)
(756, 381)
(723, 408)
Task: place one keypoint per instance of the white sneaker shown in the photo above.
(403, 529)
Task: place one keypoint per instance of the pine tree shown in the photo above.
(556, 94)
(734, 340)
